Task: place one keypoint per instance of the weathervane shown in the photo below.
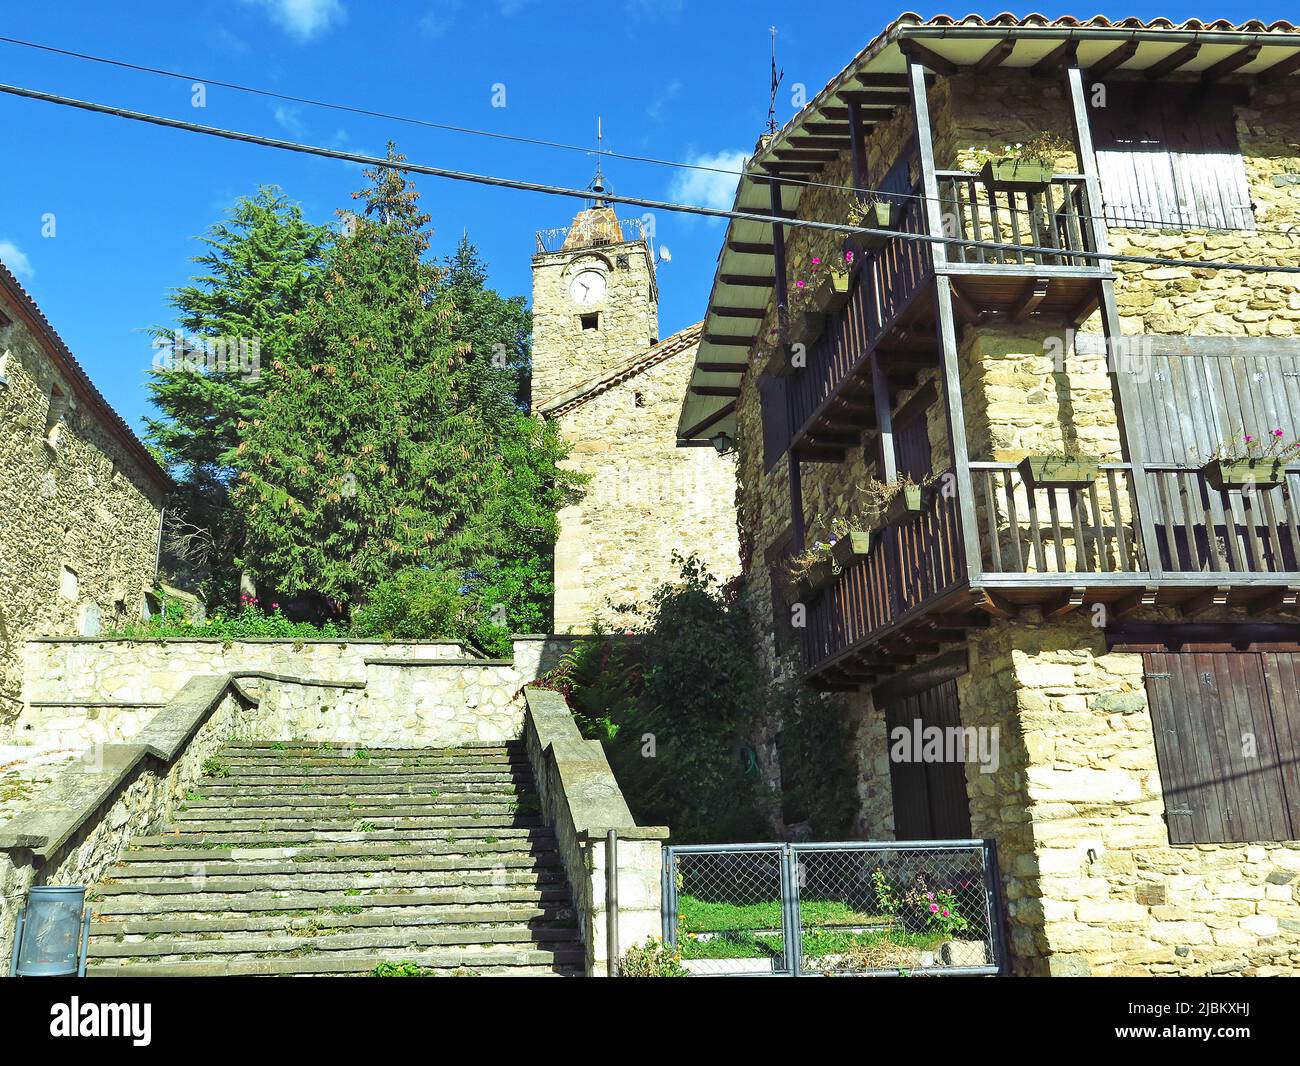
(776, 83)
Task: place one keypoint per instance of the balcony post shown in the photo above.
(855, 149)
(950, 377)
(778, 258)
(1122, 392)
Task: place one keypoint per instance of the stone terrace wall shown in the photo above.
(83, 504)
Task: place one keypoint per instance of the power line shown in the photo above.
(633, 201)
(560, 145)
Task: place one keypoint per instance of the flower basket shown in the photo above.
(879, 214)
(851, 546)
(1262, 473)
(906, 505)
(805, 327)
(819, 576)
(1017, 175)
(834, 291)
(1054, 472)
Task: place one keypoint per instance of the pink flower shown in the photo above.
(799, 284)
(816, 260)
(946, 912)
(1249, 439)
(275, 606)
(934, 908)
(929, 895)
(1277, 433)
(848, 257)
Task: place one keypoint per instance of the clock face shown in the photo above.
(587, 287)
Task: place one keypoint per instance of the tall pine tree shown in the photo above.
(258, 270)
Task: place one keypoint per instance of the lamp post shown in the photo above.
(52, 933)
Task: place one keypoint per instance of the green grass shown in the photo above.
(739, 944)
(702, 916)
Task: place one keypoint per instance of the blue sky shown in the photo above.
(677, 80)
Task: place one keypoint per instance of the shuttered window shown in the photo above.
(776, 419)
(1168, 157)
(1227, 732)
(930, 800)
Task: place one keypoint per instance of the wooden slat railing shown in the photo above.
(1232, 531)
(1055, 217)
(1055, 531)
(883, 283)
(908, 565)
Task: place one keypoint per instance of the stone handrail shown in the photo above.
(581, 802)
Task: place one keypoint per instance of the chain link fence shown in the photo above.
(911, 907)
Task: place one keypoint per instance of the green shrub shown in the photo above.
(654, 958)
(251, 620)
(420, 604)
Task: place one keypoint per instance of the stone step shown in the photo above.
(536, 962)
(381, 822)
(285, 902)
(340, 917)
(376, 851)
(210, 867)
(281, 748)
(216, 789)
(359, 807)
(217, 840)
(500, 876)
(311, 764)
(301, 781)
(370, 941)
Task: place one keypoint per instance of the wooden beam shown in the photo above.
(1232, 63)
(1063, 55)
(738, 312)
(898, 82)
(1277, 599)
(857, 153)
(1204, 601)
(918, 53)
(804, 155)
(1112, 59)
(770, 212)
(996, 56)
(997, 605)
(966, 310)
(798, 141)
(728, 338)
(886, 102)
(838, 130)
(1135, 601)
(715, 390)
(746, 279)
(707, 422)
(749, 247)
(790, 169)
(722, 368)
(1035, 293)
(1281, 68)
(1064, 604)
(1174, 60)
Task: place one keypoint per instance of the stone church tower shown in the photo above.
(601, 371)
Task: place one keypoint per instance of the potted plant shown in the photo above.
(1023, 167)
(1251, 463)
(1058, 471)
(872, 214)
(905, 504)
(847, 543)
(805, 327)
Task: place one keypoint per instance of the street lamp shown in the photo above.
(53, 930)
(722, 443)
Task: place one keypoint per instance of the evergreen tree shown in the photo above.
(258, 269)
(391, 439)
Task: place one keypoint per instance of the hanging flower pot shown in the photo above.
(1057, 472)
(806, 327)
(834, 291)
(906, 505)
(1017, 175)
(879, 214)
(1262, 473)
(851, 546)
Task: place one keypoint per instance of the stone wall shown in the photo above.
(79, 539)
(645, 499)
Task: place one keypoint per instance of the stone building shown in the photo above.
(1072, 576)
(82, 498)
(602, 372)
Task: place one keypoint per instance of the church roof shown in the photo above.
(681, 341)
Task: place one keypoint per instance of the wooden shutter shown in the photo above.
(930, 801)
(1223, 774)
(1168, 155)
(776, 419)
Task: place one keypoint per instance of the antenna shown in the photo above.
(598, 182)
(776, 84)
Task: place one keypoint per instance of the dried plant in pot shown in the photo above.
(876, 213)
(1025, 167)
(1251, 463)
(1059, 471)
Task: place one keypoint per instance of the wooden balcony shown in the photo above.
(1059, 549)
(890, 310)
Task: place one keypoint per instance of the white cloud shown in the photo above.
(16, 259)
(709, 188)
(304, 19)
(665, 96)
(289, 119)
(439, 20)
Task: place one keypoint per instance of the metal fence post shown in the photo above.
(611, 902)
(790, 911)
(993, 894)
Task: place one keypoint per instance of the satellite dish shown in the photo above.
(665, 255)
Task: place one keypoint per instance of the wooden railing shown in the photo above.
(1232, 531)
(883, 283)
(1054, 217)
(1081, 530)
(908, 565)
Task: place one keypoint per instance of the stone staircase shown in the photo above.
(293, 858)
